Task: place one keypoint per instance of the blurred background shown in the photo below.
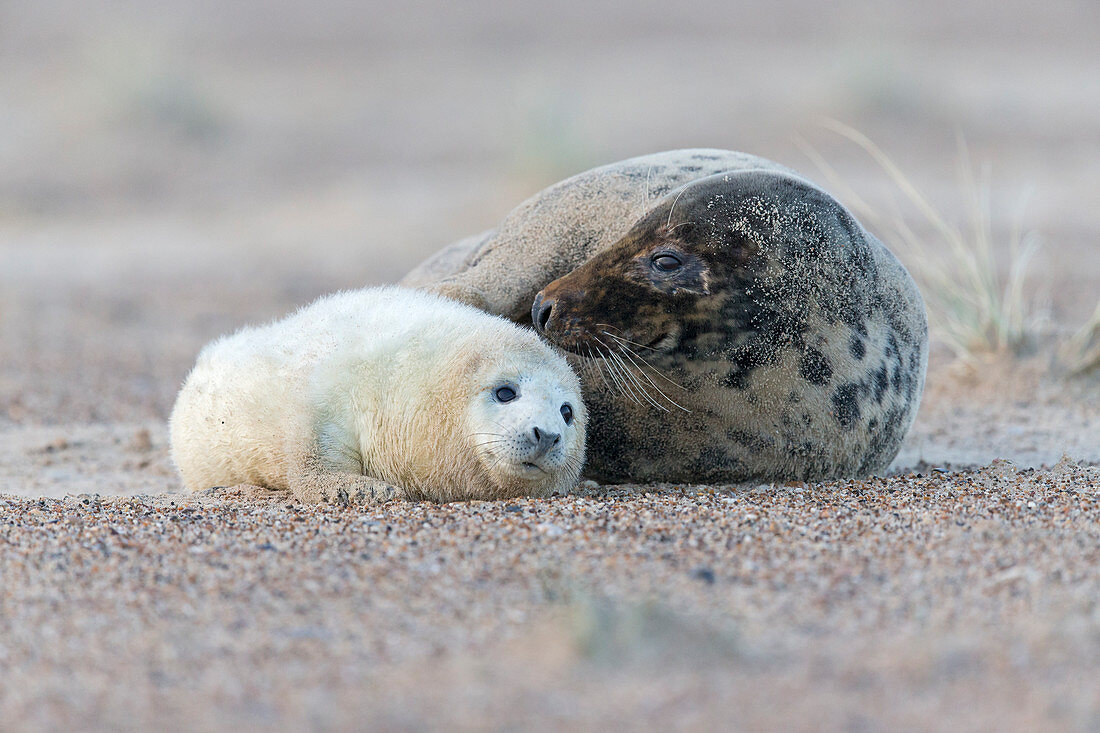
(170, 172)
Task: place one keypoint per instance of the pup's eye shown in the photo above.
(567, 413)
(505, 394)
(666, 262)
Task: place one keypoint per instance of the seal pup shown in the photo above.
(382, 393)
(743, 326)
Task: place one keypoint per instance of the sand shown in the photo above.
(965, 599)
(170, 174)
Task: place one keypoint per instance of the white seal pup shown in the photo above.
(377, 394)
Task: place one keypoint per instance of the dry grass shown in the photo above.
(977, 292)
(1081, 352)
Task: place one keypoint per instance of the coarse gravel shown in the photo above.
(965, 599)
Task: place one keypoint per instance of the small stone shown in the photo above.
(57, 444)
(550, 529)
(704, 574)
(142, 442)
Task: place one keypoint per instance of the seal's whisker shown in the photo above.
(639, 388)
(608, 325)
(632, 343)
(490, 442)
(611, 372)
(673, 207)
(497, 460)
(616, 374)
(487, 445)
(627, 350)
(632, 355)
(626, 389)
(628, 354)
(589, 365)
(598, 365)
(623, 344)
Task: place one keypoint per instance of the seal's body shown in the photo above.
(742, 327)
(382, 393)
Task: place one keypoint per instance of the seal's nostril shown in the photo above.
(544, 439)
(544, 315)
(540, 312)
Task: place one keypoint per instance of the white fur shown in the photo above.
(377, 393)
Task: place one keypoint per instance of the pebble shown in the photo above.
(243, 611)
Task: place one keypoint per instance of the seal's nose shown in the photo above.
(544, 440)
(540, 311)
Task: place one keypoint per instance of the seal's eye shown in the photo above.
(667, 263)
(567, 413)
(505, 394)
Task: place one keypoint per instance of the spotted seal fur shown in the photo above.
(783, 341)
(378, 394)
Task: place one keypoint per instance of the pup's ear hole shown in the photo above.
(470, 363)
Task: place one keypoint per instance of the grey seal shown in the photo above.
(730, 320)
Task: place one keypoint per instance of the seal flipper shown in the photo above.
(330, 487)
(449, 262)
(463, 294)
(327, 475)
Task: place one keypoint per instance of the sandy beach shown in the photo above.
(170, 175)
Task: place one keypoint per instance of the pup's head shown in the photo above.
(526, 420)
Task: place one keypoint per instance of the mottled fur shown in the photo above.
(376, 394)
(798, 342)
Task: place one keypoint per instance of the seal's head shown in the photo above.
(647, 288)
(526, 420)
(698, 271)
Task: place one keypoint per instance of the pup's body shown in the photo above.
(381, 393)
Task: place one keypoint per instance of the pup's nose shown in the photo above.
(544, 439)
(540, 311)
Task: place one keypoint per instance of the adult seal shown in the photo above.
(730, 320)
(380, 394)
